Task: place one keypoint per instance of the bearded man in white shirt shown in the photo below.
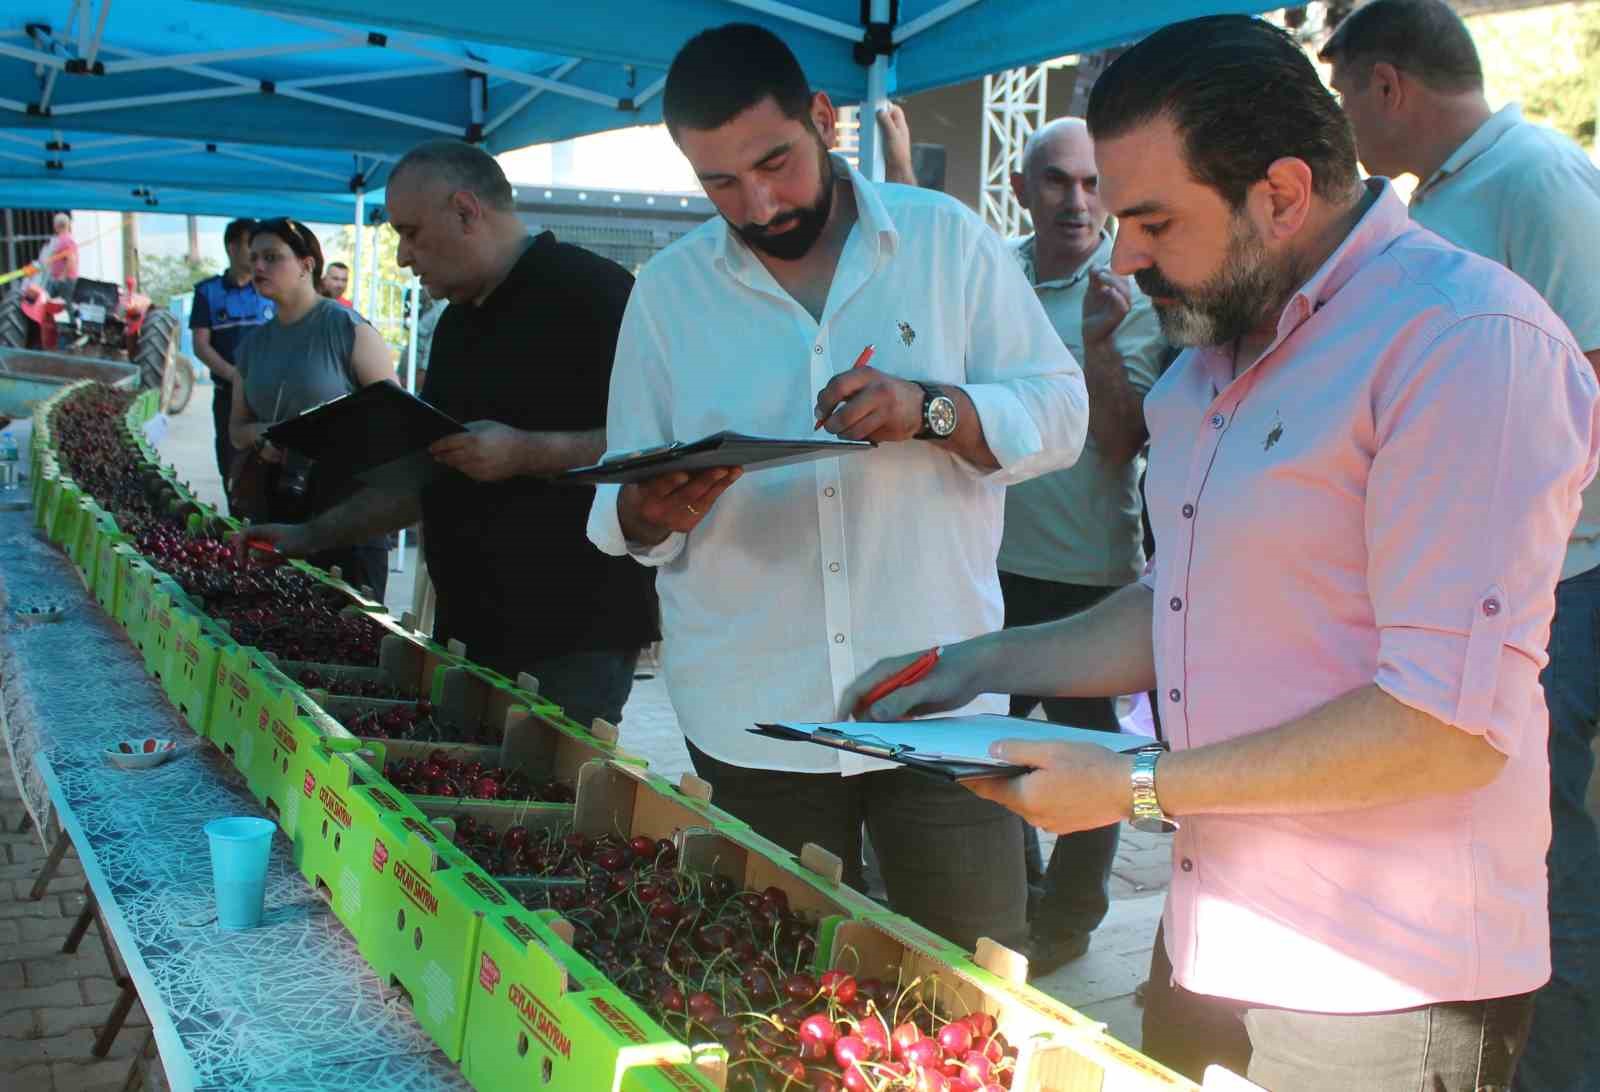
(776, 592)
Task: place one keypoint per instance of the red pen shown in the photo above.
(861, 362)
(262, 546)
(914, 672)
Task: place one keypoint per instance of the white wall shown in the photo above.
(639, 158)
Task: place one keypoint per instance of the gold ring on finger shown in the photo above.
(692, 509)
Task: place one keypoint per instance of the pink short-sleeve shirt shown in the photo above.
(1384, 498)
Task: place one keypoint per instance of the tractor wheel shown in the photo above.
(13, 323)
(159, 365)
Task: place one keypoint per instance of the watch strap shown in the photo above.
(929, 393)
(1147, 813)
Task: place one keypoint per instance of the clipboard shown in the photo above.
(379, 435)
(723, 448)
(925, 745)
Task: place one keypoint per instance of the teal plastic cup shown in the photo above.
(240, 847)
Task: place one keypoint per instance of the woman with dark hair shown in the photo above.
(312, 351)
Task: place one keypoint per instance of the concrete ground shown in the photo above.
(51, 1005)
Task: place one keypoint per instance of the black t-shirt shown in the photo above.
(517, 578)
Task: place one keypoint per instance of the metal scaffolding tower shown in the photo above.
(1013, 108)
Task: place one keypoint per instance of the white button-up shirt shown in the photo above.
(801, 577)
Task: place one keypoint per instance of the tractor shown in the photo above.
(101, 320)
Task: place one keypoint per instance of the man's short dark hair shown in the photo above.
(1241, 95)
(722, 72)
(1422, 38)
(337, 265)
(237, 229)
(461, 166)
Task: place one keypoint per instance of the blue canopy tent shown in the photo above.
(283, 101)
(110, 197)
(367, 80)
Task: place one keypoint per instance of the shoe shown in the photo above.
(1047, 954)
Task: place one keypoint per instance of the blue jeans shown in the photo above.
(587, 684)
(1563, 1051)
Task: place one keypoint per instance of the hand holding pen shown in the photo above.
(866, 404)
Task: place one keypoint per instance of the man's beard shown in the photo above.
(794, 244)
(1248, 288)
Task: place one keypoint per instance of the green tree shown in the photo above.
(1548, 59)
(162, 277)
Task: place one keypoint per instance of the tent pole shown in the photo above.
(880, 82)
(355, 259)
(372, 279)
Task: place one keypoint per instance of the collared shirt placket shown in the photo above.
(1173, 604)
(851, 276)
(831, 535)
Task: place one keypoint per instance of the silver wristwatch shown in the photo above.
(1147, 814)
(938, 413)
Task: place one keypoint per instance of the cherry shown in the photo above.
(956, 1038)
(904, 1036)
(838, 985)
(671, 998)
(875, 1033)
(924, 1052)
(703, 1007)
(800, 987)
(757, 982)
(817, 1028)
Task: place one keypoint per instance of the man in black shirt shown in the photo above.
(523, 357)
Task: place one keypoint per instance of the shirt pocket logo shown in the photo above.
(907, 334)
(1274, 435)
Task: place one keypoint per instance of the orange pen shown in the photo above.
(861, 362)
(913, 672)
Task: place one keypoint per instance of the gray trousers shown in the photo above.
(1457, 1046)
(950, 861)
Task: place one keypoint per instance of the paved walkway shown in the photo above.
(51, 1005)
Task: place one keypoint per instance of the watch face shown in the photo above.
(942, 416)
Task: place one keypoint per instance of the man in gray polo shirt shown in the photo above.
(1526, 196)
(1074, 536)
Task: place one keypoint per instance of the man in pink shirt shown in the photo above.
(1362, 474)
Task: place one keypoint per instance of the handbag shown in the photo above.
(249, 486)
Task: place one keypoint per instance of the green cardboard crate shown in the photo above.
(94, 524)
(189, 679)
(540, 1017)
(1058, 1047)
(239, 676)
(42, 486)
(62, 514)
(421, 916)
(540, 746)
(325, 836)
(406, 662)
(281, 783)
(108, 571)
(134, 580)
(167, 603)
(283, 729)
(483, 694)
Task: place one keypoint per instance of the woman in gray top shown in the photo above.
(312, 351)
